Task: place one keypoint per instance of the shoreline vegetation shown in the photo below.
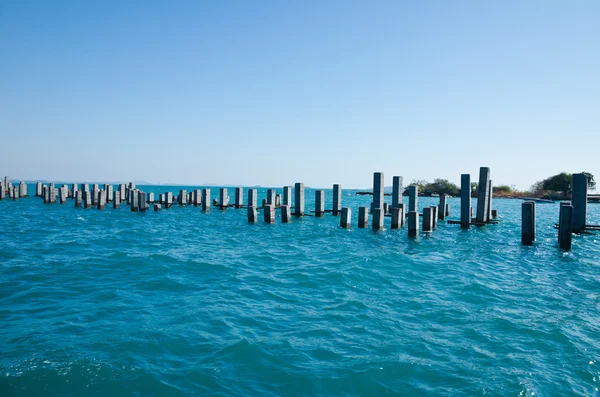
(555, 188)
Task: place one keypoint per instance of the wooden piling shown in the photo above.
(483, 195)
(363, 217)
(134, 200)
(579, 202)
(285, 213)
(157, 207)
(465, 201)
(150, 198)
(252, 198)
(413, 223)
(319, 203)
(142, 201)
(38, 189)
(182, 197)
(62, 193)
(271, 197)
(565, 227)
(169, 199)
(527, 223)
(74, 190)
(269, 213)
(299, 199)
(87, 199)
(336, 206)
(447, 210)
(490, 196)
(101, 200)
(346, 218)
(277, 200)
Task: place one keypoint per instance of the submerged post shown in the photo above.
(346, 218)
(285, 213)
(337, 199)
(490, 196)
(427, 219)
(269, 213)
(363, 217)
(396, 214)
(413, 223)
(565, 227)
(413, 198)
(483, 195)
(299, 199)
(465, 201)
(527, 223)
(63, 192)
(134, 201)
(142, 203)
(251, 214)
(403, 214)
(378, 217)
(434, 214)
(319, 203)
(579, 202)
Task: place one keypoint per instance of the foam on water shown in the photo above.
(181, 302)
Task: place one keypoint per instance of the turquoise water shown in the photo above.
(183, 302)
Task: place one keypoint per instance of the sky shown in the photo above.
(274, 92)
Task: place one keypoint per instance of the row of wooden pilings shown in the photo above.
(572, 216)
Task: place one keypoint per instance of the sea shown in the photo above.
(183, 302)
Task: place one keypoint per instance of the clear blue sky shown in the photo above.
(274, 92)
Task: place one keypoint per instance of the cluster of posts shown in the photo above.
(572, 216)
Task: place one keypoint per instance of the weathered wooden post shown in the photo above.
(182, 197)
(150, 198)
(252, 198)
(287, 195)
(413, 223)
(378, 185)
(565, 227)
(78, 198)
(377, 223)
(53, 192)
(206, 199)
(264, 202)
(490, 196)
(427, 219)
(3, 191)
(396, 215)
(157, 207)
(101, 200)
(465, 201)
(87, 199)
(278, 200)
(413, 198)
(319, 203)
(346, 218)
(38, 189)
(527, 223)
(269, 213)
(74, 190)
(442, 207)
(116, 199)
(169, 199)
(404, 214)
(45, 194)
(579, 202)
(142, 203)
(299, 199)
(134, 200)
(62, 193)
(271, 196)
(363, 217)
(223, 198)
(15, 192)
(22, 189)
(483, 195)
(337, 199)
(386, 208)
(239, 197)
(397, 182)
(285, 213)
(448, 210)
(435, 215)
(122, 192)
(252, 214)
